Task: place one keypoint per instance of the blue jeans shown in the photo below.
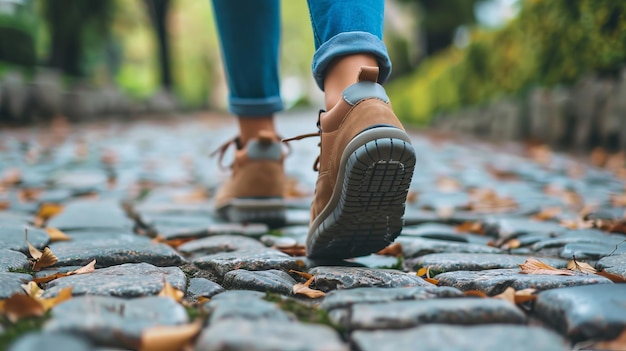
(249, 32)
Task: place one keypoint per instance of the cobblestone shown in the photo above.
(136, 197)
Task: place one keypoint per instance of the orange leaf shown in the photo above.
(63, 295)
(303, 289)
(292, 250)
(432, 280)
(617, 344)
(20, 306)
(534, 266)
(170, 291)
(57, 235)
(583, 267)
(47, 259)
(525, 295)
(547, 213)
(475, 293)
(613, 277)
(394, 250)
(470, 227)
(302, 274)
(424, 271)
(165, 338)
(202, 299)
(511, 244)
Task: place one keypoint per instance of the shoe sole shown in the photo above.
(270, 211)
(365, 212)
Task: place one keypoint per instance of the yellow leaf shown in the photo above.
(507, 295)
(617, 344)
(584, 267)
(20, 306)
(57, 235)
(202, 299)
(170, 291)
(32, 290)
(47, 211)
(303, 289)
(47, 259)
(423, 272)
(534, 266)
(166, 338)
(63, 295)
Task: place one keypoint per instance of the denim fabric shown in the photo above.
(249, 32)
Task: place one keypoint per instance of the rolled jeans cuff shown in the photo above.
(255, 107)
(349, 43)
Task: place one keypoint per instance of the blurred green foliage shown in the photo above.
(551, 42)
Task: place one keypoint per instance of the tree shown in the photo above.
(75, 26)
(158, 10)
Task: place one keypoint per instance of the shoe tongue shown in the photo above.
(368, 74)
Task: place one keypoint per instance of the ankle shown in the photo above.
(343, 73)
(250, 127)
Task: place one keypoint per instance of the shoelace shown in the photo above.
(316, 165)
(221, 150)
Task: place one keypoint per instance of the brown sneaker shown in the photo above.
(254, 192)
(365, 167)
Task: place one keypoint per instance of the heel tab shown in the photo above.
(368, 74)
(266, 137)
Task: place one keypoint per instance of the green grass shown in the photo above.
(12, 331)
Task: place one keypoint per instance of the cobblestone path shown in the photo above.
(504, 248)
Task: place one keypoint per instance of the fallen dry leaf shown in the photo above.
(394, 250)
(20, 306)
(302, 274)
(166, 338)
(547, 213)
(617, 344)
(511, 244)
(507, 295)
(32, 289)
(169, 291)
(292, 250)
(173, 243)
(47, 259)
(202, 299)
(432, 281)
(525, 295)
(47, 211)
(613, 277)
(475, 293)
(64, 295)
(471, 227)
(34, 252)
(583, 267)
(88, 268)
(534, 266)
(57, 235)
(303, 289)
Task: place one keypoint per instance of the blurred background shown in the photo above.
(550, 70)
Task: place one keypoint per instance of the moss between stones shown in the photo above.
(22, 270)
(12, 331)
(304, 313)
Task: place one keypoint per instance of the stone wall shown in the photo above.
(591, 113)
(45, 95)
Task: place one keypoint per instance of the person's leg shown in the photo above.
(366, 159)
(249, 33)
